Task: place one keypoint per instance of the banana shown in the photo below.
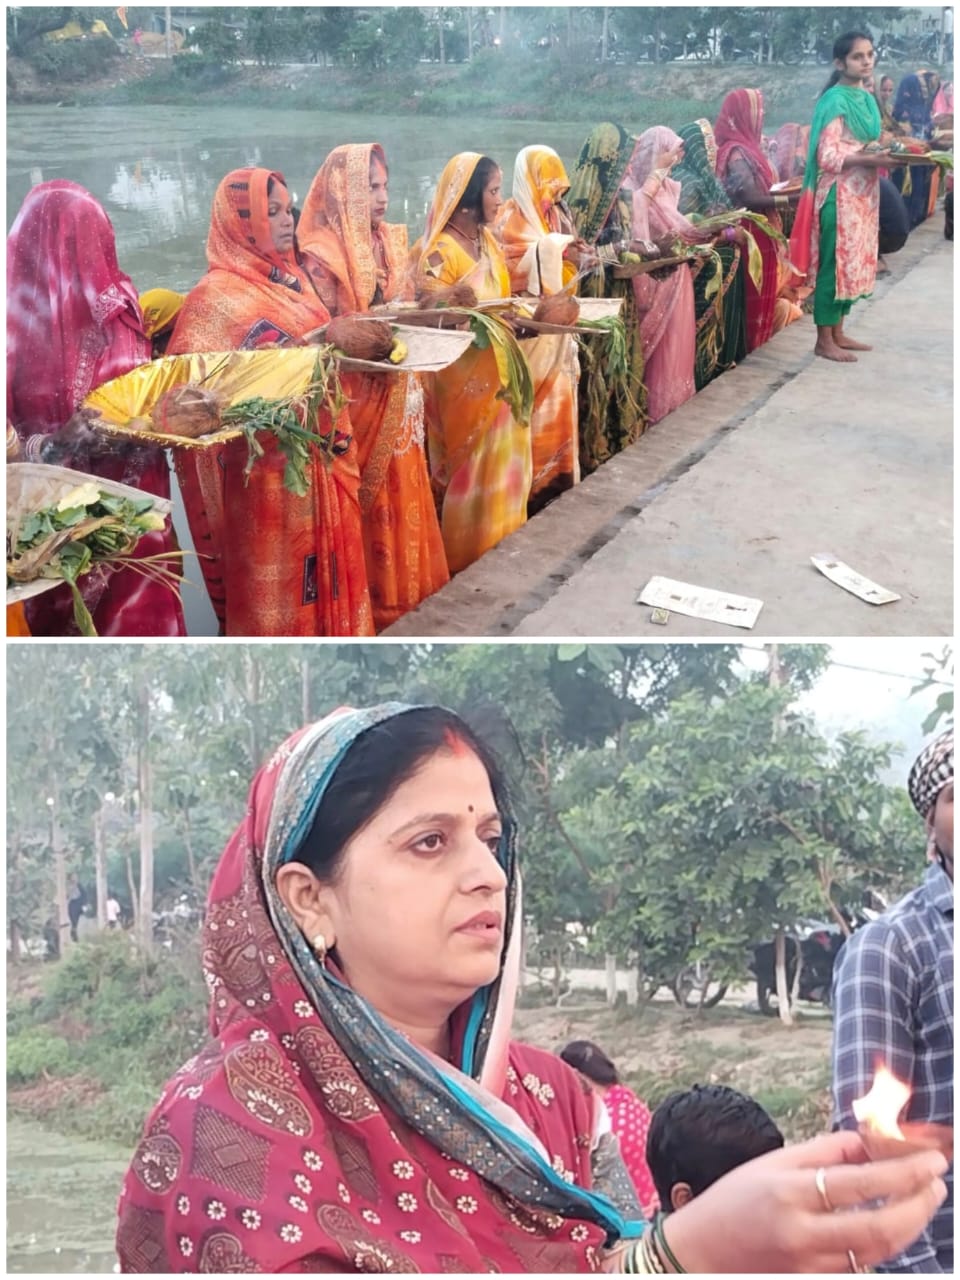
(398, 352)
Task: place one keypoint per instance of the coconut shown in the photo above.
(188, 410)
(360, 337)
(558, 308)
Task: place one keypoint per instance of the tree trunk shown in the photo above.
(168, 24)
(503, 23)
(13, 928)
(191, 860)
(251, 672)
(304, 691)
(145, 790)
(604, 35)
(610, 962)
(100, 867)
(633, 987)
(469, 33)
(132, 886)
(443, 51)
(60, 874)
(795, 985)
(783, 997)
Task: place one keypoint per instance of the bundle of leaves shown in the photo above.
(87, 528)
(295, 422)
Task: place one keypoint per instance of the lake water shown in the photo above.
(155, 169)
(61, 1200)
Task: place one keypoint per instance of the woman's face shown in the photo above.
(858, 64)
(492, 197)
(886, 88)
(378, 192)
(417, 910)
(280, 218)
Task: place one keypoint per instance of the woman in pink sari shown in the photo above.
(73, 323)
(665, 301)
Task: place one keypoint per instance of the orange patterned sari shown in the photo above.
(530, 229)
(480, 457)
(401, 534)
(276, 564)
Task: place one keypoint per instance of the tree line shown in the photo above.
(676, 806)
(380, 37)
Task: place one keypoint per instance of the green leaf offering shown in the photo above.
(294, 421)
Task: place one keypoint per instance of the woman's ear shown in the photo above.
(307, 900)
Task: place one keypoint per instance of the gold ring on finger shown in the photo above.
(820, 1179)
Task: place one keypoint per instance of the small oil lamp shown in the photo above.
(883, 1135)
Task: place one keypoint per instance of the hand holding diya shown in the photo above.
(882, 1133)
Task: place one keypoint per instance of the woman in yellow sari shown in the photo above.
(543, 252)
(480, 456)
(357, 260)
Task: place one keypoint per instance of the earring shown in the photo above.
(319, 945)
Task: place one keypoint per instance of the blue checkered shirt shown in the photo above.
(893, 1001)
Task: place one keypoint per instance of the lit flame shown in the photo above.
(879, 1109)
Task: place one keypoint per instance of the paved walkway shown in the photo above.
(781, 458)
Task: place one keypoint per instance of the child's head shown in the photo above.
(699, 1134)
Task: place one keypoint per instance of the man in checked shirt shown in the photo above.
(893, 996)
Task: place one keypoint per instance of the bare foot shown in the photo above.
(850, 344)
(830, 351)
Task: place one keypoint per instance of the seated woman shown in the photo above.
(358, 261)
(611, 400)
(362, 1106)
(721, 318)
(543, 255)
(73, 323)
(274, 564)
(480, 456)
(160, 310)
(747, 174)
(913, 111)
(629, 1115)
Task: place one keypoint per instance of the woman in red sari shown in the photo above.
(358, 261)
(362, 1107)
(274, 564)
(745, 170)
(74, 322)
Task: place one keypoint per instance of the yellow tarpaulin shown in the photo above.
(73, 31)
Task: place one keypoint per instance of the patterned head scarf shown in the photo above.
(701, 190)
(335, 225)
(539, 180)
(240, 239)
(601, 166)
(932, 770)
(658, 215)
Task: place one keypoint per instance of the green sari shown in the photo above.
(721, 323)
(612, 402)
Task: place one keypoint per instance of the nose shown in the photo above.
(485, 871)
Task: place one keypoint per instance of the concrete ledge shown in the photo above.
(516, 578)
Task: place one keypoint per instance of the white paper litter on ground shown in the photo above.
(852, 581)
(700, 602)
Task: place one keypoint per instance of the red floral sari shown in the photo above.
(273, 564)
(74, 322)
(309, 1136)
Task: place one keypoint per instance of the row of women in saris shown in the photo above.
(431, 470)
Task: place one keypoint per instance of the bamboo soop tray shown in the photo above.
(31, 486)
(124, 403)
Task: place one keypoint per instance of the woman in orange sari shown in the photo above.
(480, 456)
(276, 564)
(542, 251)
(358, 261)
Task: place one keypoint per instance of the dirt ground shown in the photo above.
(661, 1048)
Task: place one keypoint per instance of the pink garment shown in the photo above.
(630, 1121)
(667, 310)
(858, 212)
(943, 102)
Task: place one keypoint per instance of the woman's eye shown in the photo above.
(493, 842)
(429, 843)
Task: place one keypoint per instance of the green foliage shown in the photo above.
(35, 1053)
(74, 61)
